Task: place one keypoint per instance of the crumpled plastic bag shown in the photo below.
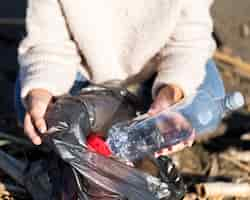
(69, 125)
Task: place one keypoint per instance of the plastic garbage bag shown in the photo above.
(46, 178)
(70, 119)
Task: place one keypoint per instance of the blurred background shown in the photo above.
(12, 30)
(224, 156)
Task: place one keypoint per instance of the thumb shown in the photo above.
(37, 113)
(159, 104)
(38, 103)
(167, 96)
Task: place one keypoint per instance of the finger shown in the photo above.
(37, 113)
(168, 151)
(173, 149)
(40, 125)
(30, 130)
(164, 152)
(155, 108)
(153, 111)
(159, 105)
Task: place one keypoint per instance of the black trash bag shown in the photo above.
(70, 120)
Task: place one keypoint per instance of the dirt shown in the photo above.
(232, 25)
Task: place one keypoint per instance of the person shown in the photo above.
(112, 41)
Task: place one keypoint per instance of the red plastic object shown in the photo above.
(97, 144)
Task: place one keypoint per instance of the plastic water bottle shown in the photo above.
(200, 113)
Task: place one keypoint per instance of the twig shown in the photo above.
(214, 169)
(236, 162)
(243, 156)
(245, 137)
(222, 189)
(234, 61)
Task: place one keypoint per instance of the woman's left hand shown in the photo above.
(167, 96)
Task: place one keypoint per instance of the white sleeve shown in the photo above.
(188, 49)
(47, 56)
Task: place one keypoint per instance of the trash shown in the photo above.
(69, 125)
(200, 113)
(97, 144)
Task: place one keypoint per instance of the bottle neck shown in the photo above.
(232, 102)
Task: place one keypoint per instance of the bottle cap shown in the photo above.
(97, 144)
(235, 101)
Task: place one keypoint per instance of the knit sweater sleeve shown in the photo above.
(47, 56)
(188, 49)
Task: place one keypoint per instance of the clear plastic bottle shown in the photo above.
(200, 113)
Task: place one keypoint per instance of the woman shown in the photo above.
(112, 41)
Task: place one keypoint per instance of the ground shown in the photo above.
(225, 156)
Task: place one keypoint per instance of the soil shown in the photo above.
(207, 160)
(232, 25)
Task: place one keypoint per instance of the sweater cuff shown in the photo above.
(28, 86)
(55, 81)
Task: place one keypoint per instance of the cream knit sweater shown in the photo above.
(115, 40)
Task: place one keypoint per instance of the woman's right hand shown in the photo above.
(34, 123)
